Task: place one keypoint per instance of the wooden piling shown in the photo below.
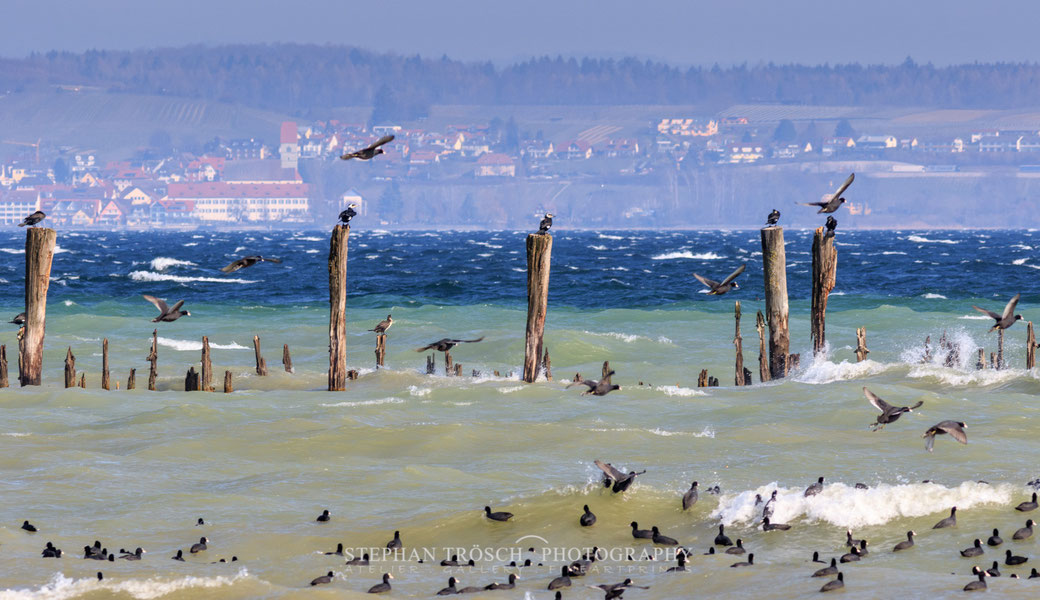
(39, 254)
(206, 382)
(191, 380)
(338, 308)
(83, 380)
(763, 359)
(774, 267)
(3, 366)
(104, 364)
(993, 364)
(228, 388)
(475, 373)
(547, 366)
(1000, 349)
(458, 369)
(747, 376)
(861, 344)
(824, 276)
(449, 367)
(738, 341)
(577, 378)
(1030, 347)
(153, 359)
(131, 381)
(352, 375)
(70, 369)
(702, 379)
(380, 349)
(539, 254)
(606, 369)
(713, 382)
(431, 365)
(287, 359)
(981, 363)
(261, 364)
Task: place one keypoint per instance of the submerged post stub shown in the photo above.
(539, 255)
(70, 369)
(824, 276)
(338, 308)
(774, 267)
(39, 254)
(131, 381)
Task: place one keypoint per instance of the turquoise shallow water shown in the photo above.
(423, 454)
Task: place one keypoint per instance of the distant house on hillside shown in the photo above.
(876, 142)
(246, 149)
(837, 144)
(15, 205)
(688, 127)
(534, 149)
(495, 165)
(575, 149)
(221, 201)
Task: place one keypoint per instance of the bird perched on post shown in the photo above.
(447, 344)
(954, 428)
(167, 313)
(369, 152)
(383, 325)
(33, 219)
(597, 388)
(248, 261)
(835, 201)
(348, 214)
(719, 288)
(831, 224)
(889, 413)
(545, 224)
(1005, 320)
(773, 218)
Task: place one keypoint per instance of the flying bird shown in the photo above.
(1005, 320)
(248, 261)
(383, 325)
(167, 313)
(369, 152)
(348, 214)
(889, 413)
(954, 428)
(545, 224)
(447, 344)
(33, 219)
(727, 284)
(597, 388)
(773, 217)
(835, 201)
(620, 480)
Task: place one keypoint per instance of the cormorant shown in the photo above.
(773, 217)
(348, 214)
(369, 152)
(835, 201)
(719, 288)
(447, 344)
(1005, 320)
(383, 325)
(889, 413)
(167, 313)
(545, 224)
(248, 261)
(33, 219)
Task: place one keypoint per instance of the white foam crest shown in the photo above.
(153, 276)
(970, 376)
(604, 236)
(707, 432)
(419, 391)
(190, 244)
(239, 249)
(674, 390)
(61, 587)
(1021, 246)
(1019, 261)
(510, 390)
(310, 239)
(924, 240)
(161, 263)
(597, 247)
(975, 317)
(964, 347)
(16, 434)
(821, 370)
(57, 249)
(931, 296)
(193, 345)
(892, 252)
(365, 402)
(687, 254)
(846, 506)
(68, 303)
(13, 250)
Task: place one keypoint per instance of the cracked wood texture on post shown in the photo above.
(39, 254)
(774, 267)
(539, 254)
(824, 275)
(338, 308)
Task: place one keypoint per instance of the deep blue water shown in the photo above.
(590, 270)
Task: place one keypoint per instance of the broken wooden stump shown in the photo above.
(606, 369)
(763, 357)
(338, 308)
(352, 375)
(747, 376)
(39, 254)
(1031, 346)
(131, 381)
(824, 276)
(287, 359)
(3, 366)
(104, 364)
(153, 358)
(547, 366)
(861, 344)
(713, 382)
(702, 379)
(431, 365)
(449, 366)
(738, 342)
(261, 364)
(981, 363)
(70, 369)
(228, 388)
(993, 364)
(475, 373)
(577, 378)
(458, 369)
(191, 380)
(539, 255)
(83, 380)
(774, 268)
(206, 384)
(793, 361)
(1000, 349)
(380, 349)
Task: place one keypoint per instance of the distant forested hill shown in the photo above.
(294, 78)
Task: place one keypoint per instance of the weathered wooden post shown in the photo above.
(702, 379)
(458, 369)
(39, 254)
(104, 364)
(380, 349)
(1030, 347)
(449, 366)
(153, 359)
(861, 344)
(338, 308)
(547, 366)
(993, 364)
(70, 369)
(83, 380)
(539, 255)
(287, 359)
(1000, 349)
(981, 363)
(191, 380)
(3, 366)
(763, 360)
(228, 388)
(431, 365)
(774, 267)
(352, 375)
(206, 381)
(824, 272)
(738, 341)
(261, 364)
(131, 381)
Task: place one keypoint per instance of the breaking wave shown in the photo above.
(153, 276)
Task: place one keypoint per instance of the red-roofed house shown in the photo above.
(495, 165)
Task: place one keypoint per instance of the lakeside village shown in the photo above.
(248, 182)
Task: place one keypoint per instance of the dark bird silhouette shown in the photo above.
(196, 548)
(722, 539)
(640, 534)
(815, 488)
(248, 261)
(497, 516)
(504, 586)
(837, 584)
(1005, 320)
(889, 413)
(848, 539)
(975, 586)
(835, 201)
(749, 562)
(831, 225)
(1025, 532)
(1012, 560)
(179, 556)
(773, 218)
(587, 518)
(680, 566)
(450, 590)
(28, 527)
(33, 219)
(337, 552)
(827, 571)
(661, 539)
(50, 551)
(950, 521)
(167, 313)
(383, 325)
(816, 558)
(395, 543)
(545, 224)
(690, 497)
(621, 480)
(348, 214)
(360, 561)
(1027, 506)
(596, 388)
(327, 578)
(738, 549)
(719, 288)
(995, 539)
(381, 588)
(908, 543)
(975, 550)
(19, 319)
(369, 152)
(767, 526)
(324, 517)
(135, 555)
(564, 580)
(954, 428)
(447, 344)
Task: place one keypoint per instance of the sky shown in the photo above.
(680, 32)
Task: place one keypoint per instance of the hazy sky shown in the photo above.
(677, 31)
